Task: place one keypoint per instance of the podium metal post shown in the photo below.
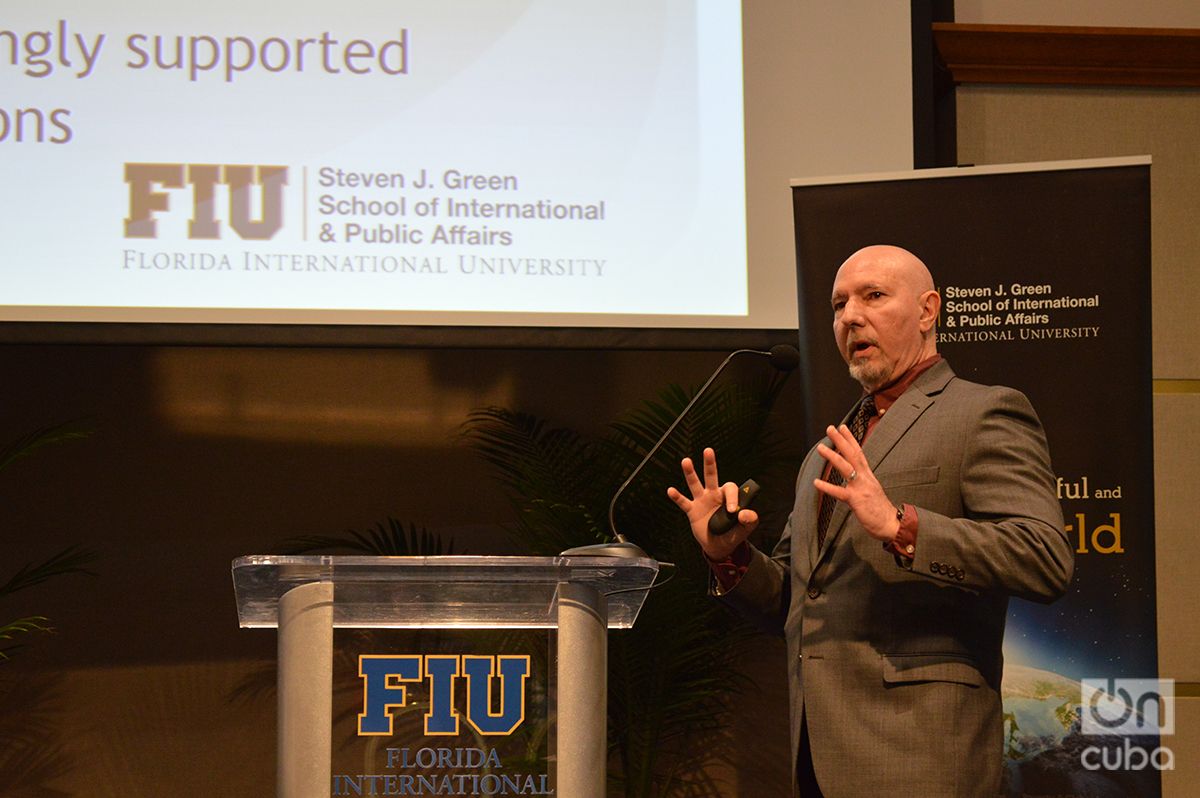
(582, 691)
(305, 689)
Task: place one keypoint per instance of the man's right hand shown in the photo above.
(706, 498)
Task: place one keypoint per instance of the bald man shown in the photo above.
(915, 520)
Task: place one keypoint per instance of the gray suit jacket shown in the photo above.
(897, 665)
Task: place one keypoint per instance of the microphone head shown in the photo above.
(784, 357)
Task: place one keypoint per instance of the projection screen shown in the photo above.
(541, 163)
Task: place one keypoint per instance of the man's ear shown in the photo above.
(931, 306)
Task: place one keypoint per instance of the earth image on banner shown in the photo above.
(1044, 752)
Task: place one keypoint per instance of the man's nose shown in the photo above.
(852, 313)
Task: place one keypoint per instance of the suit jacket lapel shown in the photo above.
(888, 431)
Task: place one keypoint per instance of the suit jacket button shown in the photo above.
(959, 576)
(933, 567)
(814, 592)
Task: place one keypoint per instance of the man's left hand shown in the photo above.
(862, 490)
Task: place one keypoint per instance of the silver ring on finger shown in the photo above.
(852, 476)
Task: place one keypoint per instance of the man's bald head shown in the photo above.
(885, 309)
(906, 266)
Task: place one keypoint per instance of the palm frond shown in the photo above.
(671, 677)
(552, 477)
(29, 770)
(26, 445)
(34, 623)
(734, 421)
(31, 716)
(70, 560)
(388, 538)
(531, 458)
(257, 683)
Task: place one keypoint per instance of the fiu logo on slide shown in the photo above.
(384, 687)
(146, 197)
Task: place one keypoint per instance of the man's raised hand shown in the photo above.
(706, 497)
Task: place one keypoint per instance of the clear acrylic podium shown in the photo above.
(306, 597)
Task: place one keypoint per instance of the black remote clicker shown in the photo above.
(722, 520)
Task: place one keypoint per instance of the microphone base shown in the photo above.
(625, 550)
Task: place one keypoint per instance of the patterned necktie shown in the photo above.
(858, 428)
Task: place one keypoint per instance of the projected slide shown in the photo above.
(369, 158)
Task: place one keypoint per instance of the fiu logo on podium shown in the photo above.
(385, 680)
(146, 197)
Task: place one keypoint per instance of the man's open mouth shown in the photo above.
(859, 347)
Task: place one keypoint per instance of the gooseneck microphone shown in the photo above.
(782, 356)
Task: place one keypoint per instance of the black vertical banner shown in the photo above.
(1044, 271)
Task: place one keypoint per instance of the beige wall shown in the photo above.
(802, 58)
(1014, 125)
(1102, 13)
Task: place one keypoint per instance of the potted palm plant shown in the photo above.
(673, 676)
(30, 759)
